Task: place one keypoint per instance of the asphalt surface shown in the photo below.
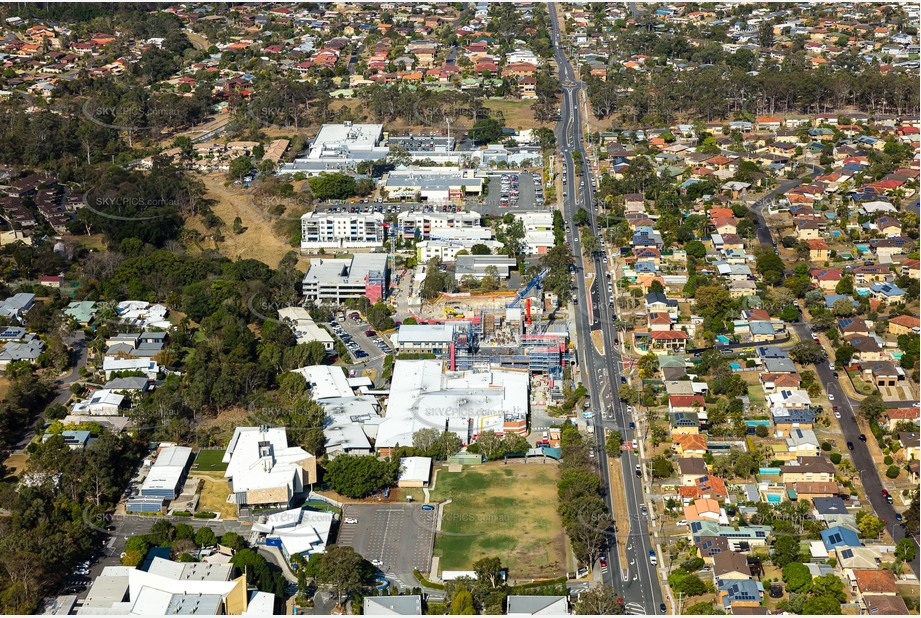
(400, 536)
(637, 581)
(526, 196)
(364, 342)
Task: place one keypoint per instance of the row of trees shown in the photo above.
(720, 91)
(582, 508)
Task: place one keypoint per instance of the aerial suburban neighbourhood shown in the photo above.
(431, 308)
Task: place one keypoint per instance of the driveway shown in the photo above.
(77, 343)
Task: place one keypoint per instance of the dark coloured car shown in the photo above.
(850, 446)
(428, 507)
(662, 609)
(863, 437)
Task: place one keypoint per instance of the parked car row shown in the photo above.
(354, 349)
(510, 193)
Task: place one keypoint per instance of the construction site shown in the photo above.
(511, 330)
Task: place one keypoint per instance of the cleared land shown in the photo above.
(517, 113)
(213, 498)
(502, 510)
(260, 239)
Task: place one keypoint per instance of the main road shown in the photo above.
(637, 581)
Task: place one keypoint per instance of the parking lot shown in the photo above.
(123, 527)
(362, 346)
(397, 538)
(528, 196)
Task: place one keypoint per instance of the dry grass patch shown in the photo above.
(260, 239)
(214, 494)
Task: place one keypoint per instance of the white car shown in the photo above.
(682, 523)
(351, 520)
(837, 415)
(377, 562)
(831, 397)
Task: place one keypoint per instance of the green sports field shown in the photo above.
(500, 510)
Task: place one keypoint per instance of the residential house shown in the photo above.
(868, 349)
(892, 417)
(807, 469)
(692, 445)
(786, 420)
(790, 399)
(772, 381)
(826, 278)
(690, 469)
(404, 605)
(731, 565)
(536, 605)
(911, 443)
(904, 325)
(803, 442)
(702, 508)
(739, 593)
(818, 250)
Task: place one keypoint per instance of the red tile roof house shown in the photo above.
(904, 325)
(685, 403)
(712, 487)
(660, 321)
(773, 381)
(826, 278)
(670, 340)
(898, 415)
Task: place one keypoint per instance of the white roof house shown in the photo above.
(790, 398)
(103, 402)
(325, 381)
(112, 365)
(18, 304)
(424, 395)
(263, 470)
(143, 314)
(405, 605)
(534, 605)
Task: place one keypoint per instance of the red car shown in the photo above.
(370, 333)
(604, 561)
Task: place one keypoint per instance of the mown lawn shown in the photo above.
(210, 461)
(500, 510)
